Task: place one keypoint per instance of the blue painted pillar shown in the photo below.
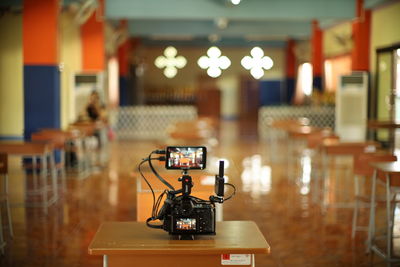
(41, 73)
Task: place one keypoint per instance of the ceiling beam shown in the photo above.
(204, 42)
(277, 29)
(248, 9)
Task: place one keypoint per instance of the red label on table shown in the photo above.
(226, 256)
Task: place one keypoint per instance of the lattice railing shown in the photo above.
(323, 116)
(150, 122)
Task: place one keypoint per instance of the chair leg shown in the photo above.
(371, 225)
(44, 180)
(2, 242)
(355, 210)
(388, 218)
(325, 182)
(10, 227)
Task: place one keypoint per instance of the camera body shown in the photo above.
(182, 214)
(189, 216)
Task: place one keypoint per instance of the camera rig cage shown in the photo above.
(182, 214)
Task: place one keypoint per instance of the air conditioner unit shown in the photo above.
(351, 107)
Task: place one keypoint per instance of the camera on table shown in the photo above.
(181, 213)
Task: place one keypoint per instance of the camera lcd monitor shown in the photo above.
(186, 158)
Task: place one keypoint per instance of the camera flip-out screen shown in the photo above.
(186, 224)
(186, 158)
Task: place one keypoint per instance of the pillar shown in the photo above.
(123, 64)
(316, 55)
(93, 41)
(361, 38)
(290, 70)
(41, 72)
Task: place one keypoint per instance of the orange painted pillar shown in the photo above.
(41, 72)
(316, 55)
(290, 70)
(361, 38)
(93, 41)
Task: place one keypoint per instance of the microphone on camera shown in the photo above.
(219, 180)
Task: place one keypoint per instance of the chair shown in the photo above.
(389, 172)
(363, 169)
(332, 150)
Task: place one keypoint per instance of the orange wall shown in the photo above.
(40, 32)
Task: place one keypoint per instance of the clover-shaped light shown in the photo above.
(257, 63)
(214, 62)
(170, 62)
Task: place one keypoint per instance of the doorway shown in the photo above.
(387, 87)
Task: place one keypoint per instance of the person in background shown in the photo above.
(94, 109)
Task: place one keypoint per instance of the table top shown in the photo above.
(388, 167)
(383, 124)
(130, 238)
(25, 148)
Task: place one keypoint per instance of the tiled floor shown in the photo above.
(282, 207)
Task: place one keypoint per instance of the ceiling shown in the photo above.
(204, 22)
(252, 22)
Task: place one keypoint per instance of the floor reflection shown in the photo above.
(299, 234)
(256, 177)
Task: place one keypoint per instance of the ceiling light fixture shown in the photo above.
(235, 2)
(257, 63)
(170, 62)
(214, 62)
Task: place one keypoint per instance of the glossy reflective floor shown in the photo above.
(271, 192)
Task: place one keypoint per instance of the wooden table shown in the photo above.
(134, 244)
(36, 150)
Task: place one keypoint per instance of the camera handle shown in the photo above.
(187, 184)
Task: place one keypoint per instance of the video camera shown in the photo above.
(181, 213)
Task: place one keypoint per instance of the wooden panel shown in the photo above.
(166, 260)
(209, 103)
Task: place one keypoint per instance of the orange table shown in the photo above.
(134, 244)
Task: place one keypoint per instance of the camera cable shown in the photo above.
(233, 193)
(162, 158)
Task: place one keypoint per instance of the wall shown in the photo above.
(11, 77)
(228, 82)
(71, 62)
(385, 29)
(337, 40)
